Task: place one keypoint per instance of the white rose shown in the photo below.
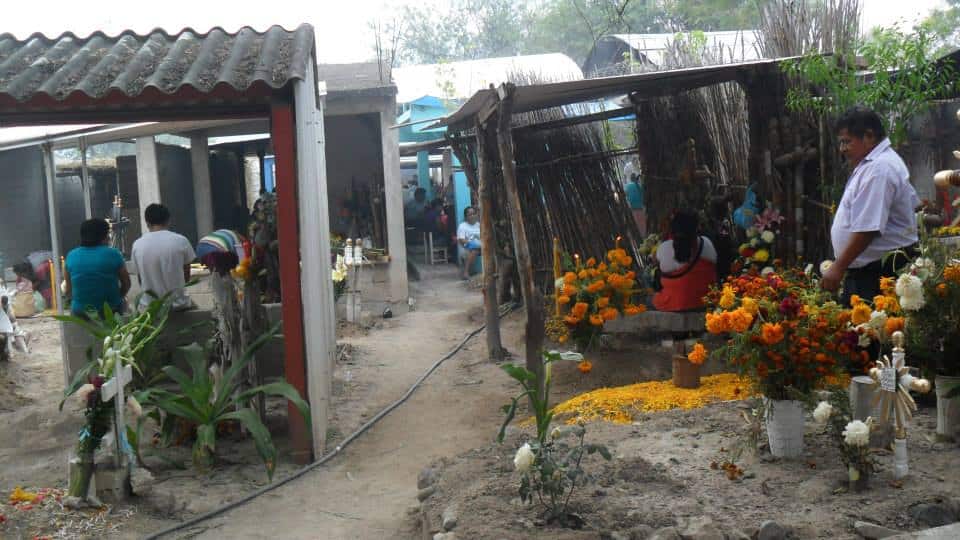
(824, 266)
(84, 392)
(133, 408)
(822, 412)
(910, 290)
(751, 232)
(766, 271)
(768, 236)
(912, 303)
(524, 458)
(856, 433)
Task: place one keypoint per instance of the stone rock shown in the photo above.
(737, 534)
(666, 533)
(141, 481)
(933, 514)
(771, 530)
(872, 531)
(449, 518)
(641, 532)
(425, 493)
(699, 528)
(445, 536)
(427, 477)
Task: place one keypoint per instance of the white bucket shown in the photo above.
(948, 410)
(785, 427)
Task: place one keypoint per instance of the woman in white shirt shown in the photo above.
(468, 238)
(687, 266)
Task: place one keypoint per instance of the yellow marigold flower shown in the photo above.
(583, 274)
(750, 306)
(772, 333)
(952, 273)
(855, 300)
(727, 299)
(887, 285)
(861, 313)
(591, 262)
(603, 302)
(569, 278)
(596, 320)
(609, 314)
(761, 256)
(569, 290)
(880, 302)
(698, 354)
(740, 320)
(563, 300)
(596, 287)
(580, 309)
(631, 309)
(717, 323)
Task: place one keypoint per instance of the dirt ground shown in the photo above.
(660, 474)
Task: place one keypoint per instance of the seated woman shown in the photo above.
(688, 266)
(96, 274)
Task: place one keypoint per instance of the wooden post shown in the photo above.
(531, 296)
(288, 234)
(487, 240)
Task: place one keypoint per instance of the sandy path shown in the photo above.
(367, 491)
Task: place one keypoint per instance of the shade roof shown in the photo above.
(148, 72)
(356, 79)
(649, 84)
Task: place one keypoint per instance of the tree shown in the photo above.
(944, 24)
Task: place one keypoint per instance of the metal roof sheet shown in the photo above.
(48, 73)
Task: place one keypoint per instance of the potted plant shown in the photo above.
(788, 337)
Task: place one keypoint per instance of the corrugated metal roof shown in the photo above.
(46, 72)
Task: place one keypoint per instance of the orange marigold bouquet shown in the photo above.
(593, 292)
(783, 331)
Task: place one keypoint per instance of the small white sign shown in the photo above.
(888, 379)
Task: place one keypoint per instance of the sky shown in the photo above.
(341, 25)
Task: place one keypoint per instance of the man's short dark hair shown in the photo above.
(93, 232)
(467, 210)
(858, 120)
(156, 214)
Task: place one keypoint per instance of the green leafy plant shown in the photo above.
(902, 81)
(550, 465)
(210, 398)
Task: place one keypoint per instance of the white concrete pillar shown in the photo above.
(148, 176)
(393, 200)
(251, 175)
(202, 191)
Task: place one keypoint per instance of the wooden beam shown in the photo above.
(481, 179)
(288, 234)
(531, 296)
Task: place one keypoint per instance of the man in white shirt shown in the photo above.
(162, 259)
(468, 236)
(877, 214)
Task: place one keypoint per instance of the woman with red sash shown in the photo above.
(688, 266)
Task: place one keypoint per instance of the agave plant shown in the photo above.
(209, 398)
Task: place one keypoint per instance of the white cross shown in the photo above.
(111, 388)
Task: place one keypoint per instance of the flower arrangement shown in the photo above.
(946, 231)
(783, 332)
(339, 276)
(852, 437)
(758, 250)
(593, 292)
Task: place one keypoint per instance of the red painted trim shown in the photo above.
(295, 367)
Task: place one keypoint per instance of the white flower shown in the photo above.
(856, 433)
(822, 412)
(808, 270)
(751, 232)
(910, 290)
(754, 242)
(866, 335)
(555, 433)
(84, 392)
(571, 356)
(524, 458)
(824, 266)
(878, 320)
(133, 408)
(558, 284)
(922, 268)
(768, 236)
(106, 342)
(766, 271)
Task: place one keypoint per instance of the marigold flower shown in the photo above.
(772, 333)
(860, 314)
(562, 339)
(569, 290)
(580, 309)
(942, 290)
(761, 256)
(727, 298)
(609, 314)
(631, 309)
(952, 273)
(563, 300)
(596, 287)
(698, 354)
(583, 274)
(855, 300)
(569, 278)
(716, 324)
(750, 305)
(585, 366)
(591, 262)
(603, 302)
(888, 285)
(596, 320)
(740, 320)
(893, 324)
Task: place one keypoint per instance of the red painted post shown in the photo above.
(295, 365)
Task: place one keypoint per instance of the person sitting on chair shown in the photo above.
(687, 266)
(468, 238)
